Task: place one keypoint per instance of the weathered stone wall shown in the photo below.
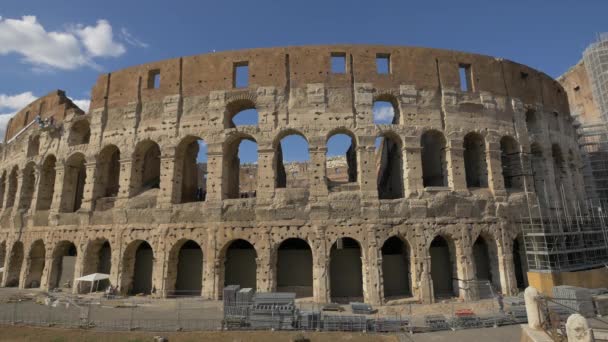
(294, 92)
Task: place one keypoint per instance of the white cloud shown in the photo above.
(384, 114)
(82, 104)
(67, 50)
(13, 103)
(130, 39)
(16, 102)
(3, 123)
(99, 40)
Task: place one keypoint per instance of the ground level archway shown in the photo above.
(346, 276)
(294, 267)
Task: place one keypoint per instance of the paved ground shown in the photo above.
(29, 334)
(502, 334)
(147, 314)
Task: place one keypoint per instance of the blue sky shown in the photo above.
(100, 36)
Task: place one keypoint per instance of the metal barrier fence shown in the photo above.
(554, 312)
(198, 315)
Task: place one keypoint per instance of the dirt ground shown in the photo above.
(20, 333)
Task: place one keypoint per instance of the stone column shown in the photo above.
(18, 192)
(412, 166)
(316, 170)
(38, 176)
(211, 267)
(215, 168)
(494, 164)
(320, 271)
(425, 286)
(507, 272)
(58, 190)
(266, 175)
(88, 199)
(45, 281)
(372, 270)
(166, 196)
(116, 259)
(265, 263)
(80, 257)
(46, 272)
(6, 192)
(124, 183)
(24, 267)
(366, 166)
(455, 165)
(465, 266)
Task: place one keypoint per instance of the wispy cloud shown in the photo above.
(131, 40)
(74, 47)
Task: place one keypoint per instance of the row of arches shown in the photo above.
(185, 268)
(191, 173)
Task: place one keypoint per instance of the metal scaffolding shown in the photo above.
(571, 238)
(596, 63)
(593, 141)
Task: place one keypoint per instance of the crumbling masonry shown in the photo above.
(474, 140)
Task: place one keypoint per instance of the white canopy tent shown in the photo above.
(94, 279)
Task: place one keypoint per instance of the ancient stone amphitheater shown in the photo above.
(473, 141)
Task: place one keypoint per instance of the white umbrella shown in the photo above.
(92, 278)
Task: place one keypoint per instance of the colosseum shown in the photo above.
(474, 143)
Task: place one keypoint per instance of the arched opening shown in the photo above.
(240, 113)
(386, 110)
(33, 147)
(294, 254)
(64, 262)
(475, 161)
(511, 163)
(12, 188)
(434, 165)
(46, 185)
(137, 266)
(108, 163)
(146, 167)
(80, 133)
(396, 268)
(559, 169)
(532, 121)
(27, 188)
(191, 162)
(97, 259)
(443, 268)
(485, 255)
(240, 264)
(240, 167)
(189, 278)
(345, 273)
(520, 264)
(15, 261)
(73, 183)
(389, 166)
(291, 162)
(341, 161)
(538, 172)
(36, 264)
